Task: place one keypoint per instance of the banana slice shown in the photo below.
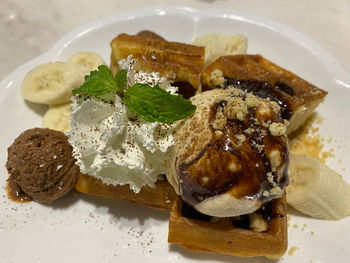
(219, 44)
(58, 117)
(316, 190)
(52, 83)
(88, 59)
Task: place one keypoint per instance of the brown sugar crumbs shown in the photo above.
(292, 250)
(307, 140)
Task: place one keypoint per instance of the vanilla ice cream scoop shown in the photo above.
(231, 156)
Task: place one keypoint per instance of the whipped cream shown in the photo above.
(111, 143)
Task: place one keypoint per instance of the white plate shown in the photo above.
(80, 228)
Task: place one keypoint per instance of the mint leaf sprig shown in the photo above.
(153, 104)
(101, 82)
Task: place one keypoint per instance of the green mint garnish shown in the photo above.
(100, 82)
(121, 80)
(156, 104)
(153, 104)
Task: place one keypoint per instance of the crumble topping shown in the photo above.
(261, 114)
(277, 129)
(251, 100)
(219, 122)
(241, 139)
(217, 77)
(307, 140)
(236, 108)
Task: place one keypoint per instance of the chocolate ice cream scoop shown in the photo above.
(41, 165)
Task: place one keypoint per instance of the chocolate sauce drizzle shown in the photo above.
(264, 90)
(215, 157)
(14, 191)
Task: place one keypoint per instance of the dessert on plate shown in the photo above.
(204, 148)
(218, 161)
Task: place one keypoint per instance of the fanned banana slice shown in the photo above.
(88, 59)
(52, 83)
(316, 190)
(58, 117)
(219, 44)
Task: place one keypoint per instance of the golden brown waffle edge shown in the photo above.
(161, 196)
(300, 96)
(225, 238)
(177, 61)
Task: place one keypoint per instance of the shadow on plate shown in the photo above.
(65, 201)
(216, 257)
(125, 210)
(293, 212)
(39, 109)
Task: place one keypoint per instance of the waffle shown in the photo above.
(197, 232)
(188, 228)
(150, 35)
(179, 62)
(161, 196)
(200, 233)
(297, 97)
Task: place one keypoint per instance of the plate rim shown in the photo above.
(158, 10)
(339, 74)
